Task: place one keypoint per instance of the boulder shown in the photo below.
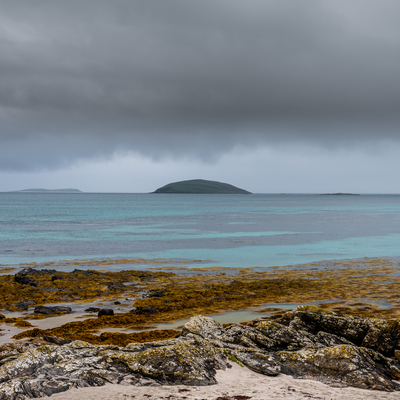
(25, 277)
(24, 304)
(105, 311)
(153, 293)
(51, 309)
(92, 309)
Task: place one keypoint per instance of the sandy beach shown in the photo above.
(236, 383)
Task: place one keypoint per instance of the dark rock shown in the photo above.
(56, 340)
(116, 286)
(51, 309)
(24, 304)
(314, 320)
(153, 293)
(82, 271)
(117, 302)
(25, 277)
(23, 280)
(92, 309)
(56, 277)
(383, 336)
(105, 311)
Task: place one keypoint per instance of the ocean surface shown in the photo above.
(221, 230)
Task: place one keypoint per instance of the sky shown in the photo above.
(274, 96)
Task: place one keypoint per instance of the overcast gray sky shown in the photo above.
(269, 95)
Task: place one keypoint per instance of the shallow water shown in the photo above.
(223, 230)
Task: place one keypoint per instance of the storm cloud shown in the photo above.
(85, 79)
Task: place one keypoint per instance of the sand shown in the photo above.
(236, 383)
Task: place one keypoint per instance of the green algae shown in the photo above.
(232, 358)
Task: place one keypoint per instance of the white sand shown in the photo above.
(232, 382)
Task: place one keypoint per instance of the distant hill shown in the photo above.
(48, 191)
(340, 194)
(201, 186)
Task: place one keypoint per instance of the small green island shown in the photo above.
(201, 186)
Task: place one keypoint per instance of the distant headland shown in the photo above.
(201, 186)
(47, 191)
(340, 194)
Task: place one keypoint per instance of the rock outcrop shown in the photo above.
(306, 343)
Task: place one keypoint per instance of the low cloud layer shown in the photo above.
(87, 78)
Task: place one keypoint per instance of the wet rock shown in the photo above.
(92, 309)
(153, 293)
(51, 309)
(82, 272)
(25, 277)
(24, 304)
(116, 286)
(314, 320)
(56, 277)
(105, 311)
(56, 340)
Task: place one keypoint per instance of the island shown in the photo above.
(48, 191)
(340, 194)
(201, 186)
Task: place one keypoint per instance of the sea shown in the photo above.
(257, 230)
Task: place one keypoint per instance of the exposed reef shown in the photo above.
(141, 300)
(201, 186)
(307, 342)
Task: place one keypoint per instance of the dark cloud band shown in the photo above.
(83, 79)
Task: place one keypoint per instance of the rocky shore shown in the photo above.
(307, 342)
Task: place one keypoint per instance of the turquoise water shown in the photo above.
(223, 230)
